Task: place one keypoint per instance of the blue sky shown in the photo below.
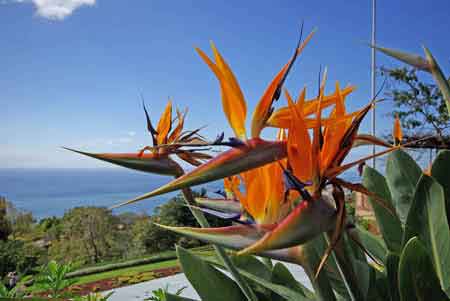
(71, 74)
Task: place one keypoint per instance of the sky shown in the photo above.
(71, 71)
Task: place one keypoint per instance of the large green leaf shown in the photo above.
(439, 77)
(281, 275)
(354, 275)
(388, 222)
(365, 273)
(411, 59)
(429, 65)
(281, 290)
(439, 171)
(402, 175)
(210, 283)
(373, 244)
(329, 277)
(379, 289)
(351, 238)
(252, 265)
(427, 220)
(392, 261)
(417, 279)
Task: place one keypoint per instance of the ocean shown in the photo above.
(51, 192)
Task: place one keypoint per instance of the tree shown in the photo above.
(5, 224)
(87, 234)
(23, 225)
(173, 213)
(15, 255)
(419, 105)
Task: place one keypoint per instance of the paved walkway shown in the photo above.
(144, 290)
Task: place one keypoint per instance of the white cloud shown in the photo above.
(57, 9)
(131, 133)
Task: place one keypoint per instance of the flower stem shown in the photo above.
(201, 219)
(345, 270)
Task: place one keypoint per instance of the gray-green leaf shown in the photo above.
(417, 279)
(388, 222)
(427, 220)
(402, 175)
(209, 282)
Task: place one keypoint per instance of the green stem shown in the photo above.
(201, 219)
(345, 270)
(309, 261)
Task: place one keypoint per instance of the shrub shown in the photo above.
(16, 256)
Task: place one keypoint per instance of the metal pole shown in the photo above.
(373, 79)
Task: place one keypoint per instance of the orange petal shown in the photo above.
(231, 183)
(301, 99)
(397, 132)
(310, 106)
(164, 124)
(178, 129)
(281, 117)
(233, 102)
(275, 193)
(317, 138)
(299, 145)
(264, 107)
(350, 136)
(334, 132)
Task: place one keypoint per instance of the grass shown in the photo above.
(127, 271)
(166, 254)
(118, 261)
(133, 270)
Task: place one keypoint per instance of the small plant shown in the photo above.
(52, 279)
(14, 292)
(161, 294)
(93, 297)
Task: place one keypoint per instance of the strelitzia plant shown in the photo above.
(264, 183)
(427, 64)
(157, 159)
(264, 203)
(317, 161)
(226, 206)
(246, 153)
(289, 204)
(168, 139)
(314, 165)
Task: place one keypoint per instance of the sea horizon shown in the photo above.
(52, 191)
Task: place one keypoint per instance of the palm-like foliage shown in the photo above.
(287, 199)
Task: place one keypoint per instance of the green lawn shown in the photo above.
(131, 271)
(127, 271)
